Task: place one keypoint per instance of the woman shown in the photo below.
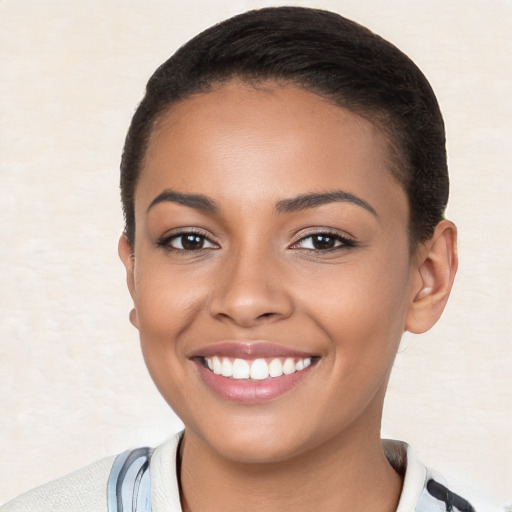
(284, 183)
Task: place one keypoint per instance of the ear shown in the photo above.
(434, 268)
(127, 257)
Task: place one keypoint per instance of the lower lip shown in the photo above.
(251, 391)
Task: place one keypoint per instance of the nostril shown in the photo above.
(248, 302)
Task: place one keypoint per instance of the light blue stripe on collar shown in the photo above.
(128, 487)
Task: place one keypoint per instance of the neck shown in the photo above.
(349, 473)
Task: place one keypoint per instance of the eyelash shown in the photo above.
(165, 241)
(343, 242)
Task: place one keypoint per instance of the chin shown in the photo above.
(269, 451)
(249, 440)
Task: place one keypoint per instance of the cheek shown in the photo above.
(166, 306)
(165, 310)
(165, 300)
(363, 291)
(364, 321)
(362, 307)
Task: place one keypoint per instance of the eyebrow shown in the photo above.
(196, 201)
(303, 202)
(306, 201)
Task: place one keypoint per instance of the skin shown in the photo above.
(258, 277)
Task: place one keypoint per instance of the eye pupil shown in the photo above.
(191, 242)
(323, 242)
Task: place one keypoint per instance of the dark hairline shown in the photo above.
(324, 53)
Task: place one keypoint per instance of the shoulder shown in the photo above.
(84, 490)
(90, 490)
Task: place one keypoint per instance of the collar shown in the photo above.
(403, 459)
(165, 494)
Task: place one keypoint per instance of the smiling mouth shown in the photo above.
(256, 369)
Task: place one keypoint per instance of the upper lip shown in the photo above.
(245, 349)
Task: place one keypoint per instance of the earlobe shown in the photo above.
(133, 318)
(435, 271)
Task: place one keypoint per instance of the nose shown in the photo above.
(250, 291)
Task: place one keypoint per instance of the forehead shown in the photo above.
(240, 137)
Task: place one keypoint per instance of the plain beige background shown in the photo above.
(73, 384)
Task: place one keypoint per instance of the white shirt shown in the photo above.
(86, 490)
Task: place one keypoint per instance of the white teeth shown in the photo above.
(217, 365)
(275, 368)
(241, 369)
(289, 366)
(227, 368)
(259, 369)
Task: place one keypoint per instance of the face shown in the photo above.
(271, 273)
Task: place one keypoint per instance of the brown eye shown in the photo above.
(323, 242)
(320, 242)
(189, 242)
